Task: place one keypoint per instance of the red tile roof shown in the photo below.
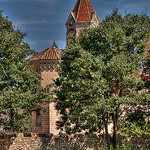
(51, 53)
(83, 10)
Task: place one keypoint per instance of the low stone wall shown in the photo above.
(5, 141)
(26, 143)
(49, 142)
(136, 143)
(65, 142)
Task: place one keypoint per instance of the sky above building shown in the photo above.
(44, 20)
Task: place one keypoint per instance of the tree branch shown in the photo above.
(3, 69)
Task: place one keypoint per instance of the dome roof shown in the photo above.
(51, 53)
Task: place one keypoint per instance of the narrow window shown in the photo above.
(38, 120)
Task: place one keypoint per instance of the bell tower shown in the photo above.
(82, 16)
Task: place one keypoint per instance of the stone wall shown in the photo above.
(44, 126)
(54, 116)
(48, 76)
(49, 72)
(26, 143)
(65, 142)
(5, 141)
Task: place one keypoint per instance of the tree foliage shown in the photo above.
(100, 74)
(20, 92)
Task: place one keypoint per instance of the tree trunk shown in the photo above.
(105, 118)
(114, 139)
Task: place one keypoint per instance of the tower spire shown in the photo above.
(82, 16)
(54, 44)
(83, 10)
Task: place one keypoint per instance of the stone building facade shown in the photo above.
(82, 16)
(46, 63)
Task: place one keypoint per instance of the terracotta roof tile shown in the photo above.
(90, 9)
(51, 53)
(83, 10)
(75, 10)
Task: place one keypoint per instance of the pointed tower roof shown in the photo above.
(54, 44)
(51, 53)
(83, 10)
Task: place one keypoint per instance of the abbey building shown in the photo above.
(82, 16)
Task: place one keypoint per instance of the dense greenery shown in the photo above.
(19, 86)
(100, 77)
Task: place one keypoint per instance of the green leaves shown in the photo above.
(20, 92)
(101, 74)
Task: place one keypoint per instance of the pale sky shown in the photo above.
(44, 20)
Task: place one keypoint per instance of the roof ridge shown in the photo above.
(87, 9)
(45, 53)
(78, 10)
(55, 52)
(83, 10)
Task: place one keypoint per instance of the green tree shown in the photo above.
(20, 92)
(100, 74)
(137, 120)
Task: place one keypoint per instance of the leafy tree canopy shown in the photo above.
(100, 73)
(20, 92)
